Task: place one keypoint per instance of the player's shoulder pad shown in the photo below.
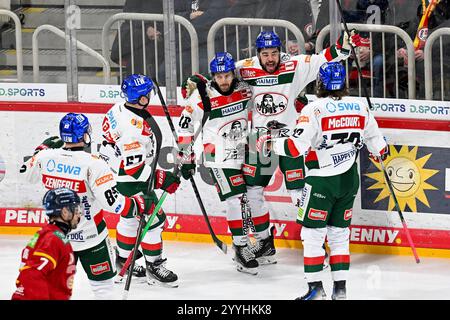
(249, 62)
(61, 235)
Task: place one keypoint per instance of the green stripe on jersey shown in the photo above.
(228, 109)
(272, 80)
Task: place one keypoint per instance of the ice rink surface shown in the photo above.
(205, 273)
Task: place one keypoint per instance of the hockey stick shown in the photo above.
(388, 181)
(222, 246)
(366, 93)
(158, 136)
(186, 155)
(405, 227)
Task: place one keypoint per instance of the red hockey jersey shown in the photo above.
(48, 267)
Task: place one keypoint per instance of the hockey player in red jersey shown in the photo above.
(48, 263)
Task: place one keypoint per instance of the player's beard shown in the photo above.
(74, 225)
(225, 87)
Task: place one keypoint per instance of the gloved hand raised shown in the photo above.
(49, 143)
(384, 153)
(345, 43)
(193, 82)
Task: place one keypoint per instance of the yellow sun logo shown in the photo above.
(408, 177)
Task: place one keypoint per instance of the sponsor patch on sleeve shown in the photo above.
(103, 179)
(132, 146)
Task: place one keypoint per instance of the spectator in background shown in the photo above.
(4, 5)
(298, 12)
(439, 17)
(153, 43)
(212, 11)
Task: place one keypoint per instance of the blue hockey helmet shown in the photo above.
(56, 199)
(135, 86)
(332, 76)
(267, 39)
(73, 126)
(222, 62)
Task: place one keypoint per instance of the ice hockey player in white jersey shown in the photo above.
(330, 131)
(276, 78)
(224, 143)
(132, 140)
(67, 165)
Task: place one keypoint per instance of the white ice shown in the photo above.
(205, 273)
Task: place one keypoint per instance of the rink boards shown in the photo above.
(418, 133)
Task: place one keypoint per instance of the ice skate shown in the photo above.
(339, 291)
(138, 271)
(245, 260)
(264, 250)
(158, 274)
(315, 292)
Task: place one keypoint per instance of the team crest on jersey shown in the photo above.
(234, 130)
(271, 103)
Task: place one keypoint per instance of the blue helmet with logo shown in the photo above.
(222, 62)
(135, 86)
(267, 39)
(332, 76)
(56, 199)
(73, 126)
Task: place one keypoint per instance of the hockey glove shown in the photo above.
(144, 204)
(345, 43)
(49, 143)
(300, 102)
(384, 153)
(188, 166)
(167, 181)
(191, 83)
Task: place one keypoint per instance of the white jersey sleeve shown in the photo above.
(103, 186)
(31, 169)
(302, 137)
(373, 137)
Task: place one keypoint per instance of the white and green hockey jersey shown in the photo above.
(225, 132)
(93, 181)
(331, 132)
(131, 148)
(274, 93)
